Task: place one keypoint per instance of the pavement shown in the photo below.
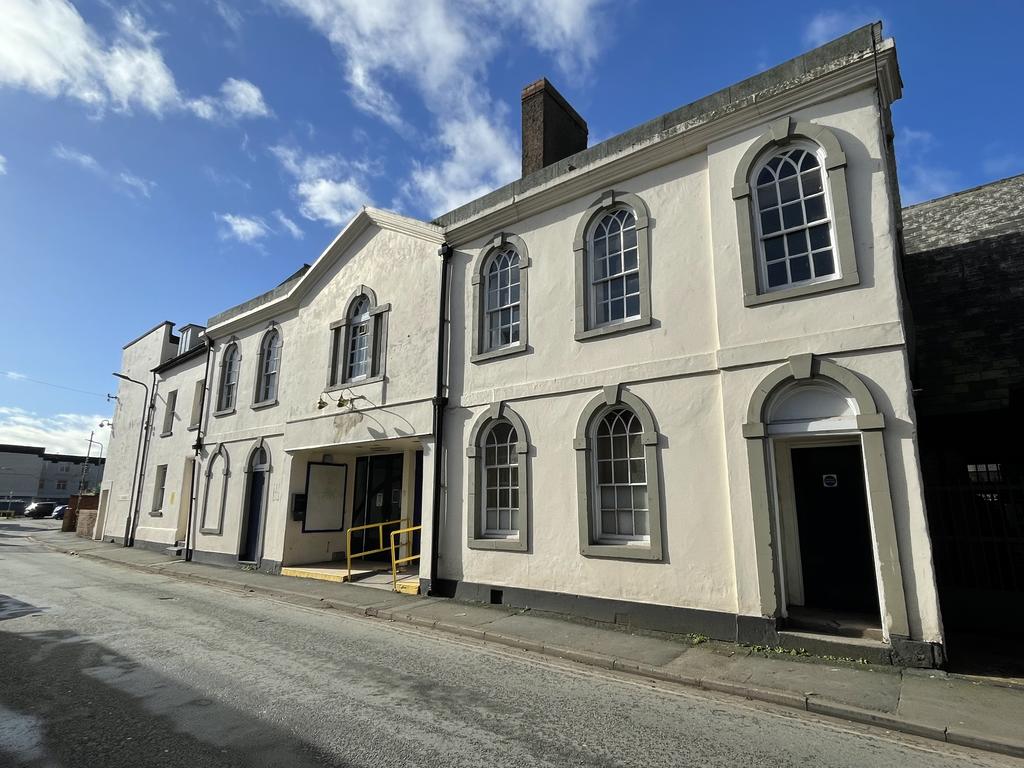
(926, 703)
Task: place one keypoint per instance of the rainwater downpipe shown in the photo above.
(440, 403)
(138, 456)
(197, 446)
(151, 407)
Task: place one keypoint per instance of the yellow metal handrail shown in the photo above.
(349, 554)
(396, 561)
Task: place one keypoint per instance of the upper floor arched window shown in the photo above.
(793, 214)
(613, 285)
(268, 367)
(500, 298)
(794, 219)
(358, 341)
(228, 390)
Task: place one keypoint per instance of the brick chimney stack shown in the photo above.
(552, 129)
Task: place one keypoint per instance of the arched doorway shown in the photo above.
(823, 519)
(826, 551)
(250, 547)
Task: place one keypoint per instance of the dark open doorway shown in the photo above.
(252, 521)
(839, 588)
(378, 498)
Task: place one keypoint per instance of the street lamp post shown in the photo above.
(133, 502)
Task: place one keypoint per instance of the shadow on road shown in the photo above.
(66, 701)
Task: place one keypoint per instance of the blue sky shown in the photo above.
(166, 160)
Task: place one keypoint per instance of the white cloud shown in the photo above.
(240, 98)
(3, 165)
(88, 162)
(826, 26)
(921, 178)
(125, 181)
(231, 16)
(442, 50)
(293, 229)
(142, 186)
(58, 433)
(328, 188)
(244, 229)
(48, 49)
(998, 164)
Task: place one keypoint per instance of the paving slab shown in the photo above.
(617, 644)
(449, 612)
(964, 707)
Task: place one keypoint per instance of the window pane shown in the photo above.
(640, 527)
(492, 498)
(629, 239)
(604, 472)
(787, 169)
(765, 177)
(629, 260)
(633, 306)
(639, 497)
(777, 274)
(626, 523)
(623, 498)
(492, 519)
(513, 524)
(811, 182)
(770, 221)
(766, 196)
(820, 237)
(620, 472)
(815, 208)
(792, 215)
(823, 264)
(638, 471)
(789, 190)
(607, 498)
(774, 249)
(800, 268)
(796, 242)
(608, 521)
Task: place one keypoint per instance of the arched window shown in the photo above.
(793, 214)
(500, 509)
(619, 482)
(268, 367)
(502, 309)
(621, 473)
(613, 284)
(498, 491)
(217, 473)
(500, 297)
(794, 222)
(615, 268)
(358, 341)
(228, 378)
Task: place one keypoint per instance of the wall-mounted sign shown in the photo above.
(829, 481)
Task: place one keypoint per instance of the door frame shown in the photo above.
(243, 521)
(790, 565)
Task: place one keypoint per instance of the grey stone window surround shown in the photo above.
(585, 326)
(610, 397)
(257, 382)
(169, 417)
(782, 132)
(232, 342)
(480, 352)
(225, 471)
(870, 429)
(338, 357)
(474, 452)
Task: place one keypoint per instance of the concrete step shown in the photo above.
(829, 645)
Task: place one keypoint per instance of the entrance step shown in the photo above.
(820, 644)
(837, 623)
(175, 549)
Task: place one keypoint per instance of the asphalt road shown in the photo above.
(105, 667)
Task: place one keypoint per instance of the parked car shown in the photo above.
(58, 511)
(39, 509)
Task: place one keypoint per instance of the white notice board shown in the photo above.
(325, 497)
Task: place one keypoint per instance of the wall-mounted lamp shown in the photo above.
(341, 401)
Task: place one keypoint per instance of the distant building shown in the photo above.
(28, 473)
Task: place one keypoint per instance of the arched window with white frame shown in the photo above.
(228, 390)
(794, 218)
(613, 270)
(358, 341)
(498, 493)
(359, 349)
(268, 367)
(502, 292)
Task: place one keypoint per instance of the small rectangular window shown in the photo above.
(158, 487)
(172, 400)
(197, 404)
(62, 485)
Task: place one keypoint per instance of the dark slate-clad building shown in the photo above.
(964, 269)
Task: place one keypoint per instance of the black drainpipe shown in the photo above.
(440, 402)
(147, 427)
(197, 446)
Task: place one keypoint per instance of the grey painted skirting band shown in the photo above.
(223, 559)
(717, 625)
